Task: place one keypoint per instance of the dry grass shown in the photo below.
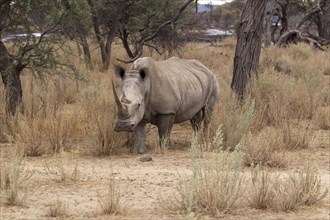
(59, 129)
(238, 122)
(30, 136)
(111, 203)
(285, 192)
(57, 210)
(62, 167)
(295, 139)
(14, 179)
(322, 118)
(215, 185)
(266, 148)
(101, 116)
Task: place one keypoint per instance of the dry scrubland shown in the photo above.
(266, 158)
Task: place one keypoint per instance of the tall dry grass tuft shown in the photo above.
(285, 192)
(295, 139)
(322, 118)
(262, 183)
(237, 122)
(100, 117)
(62, 168)
(59, 129)
(215, 185)
(266, 149)
(291, 85)
(57, 210)
(14, 178)
(280, 98)
(111, 203)
(66, 90)
(43, 124)
(30, 136)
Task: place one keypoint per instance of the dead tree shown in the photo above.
(247, 53)
(295, 36)
(318, 12)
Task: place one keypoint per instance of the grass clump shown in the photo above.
(322, 118)
(59, 130)
(285, 192)
(58, 210)
(215, 185)
(105, 140)
(61, 167)
(13, 179)
(111, 203)
(294, 140)
(266, 149)
(238, 123)
(30, 135)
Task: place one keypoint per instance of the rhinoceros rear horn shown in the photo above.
(120, 106)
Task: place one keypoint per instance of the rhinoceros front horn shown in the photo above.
(121, 109)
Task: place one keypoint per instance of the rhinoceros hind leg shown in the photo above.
(197, 120)
(139, 143)
(164, 125)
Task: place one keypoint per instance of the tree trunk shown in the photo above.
(96, 25)
(284, 20)
(110, 38)
(10, 75)
(87, 53)
(324, 24)
(268, 33)
(248, 47)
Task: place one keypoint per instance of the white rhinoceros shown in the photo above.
(164, 93)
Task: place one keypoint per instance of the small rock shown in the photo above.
(146, 158)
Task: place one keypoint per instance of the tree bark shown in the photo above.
(324, 24)
(10, 75)
(248, 47)
(110, 38)
(96, 25)
(87, 53)
(268, 34)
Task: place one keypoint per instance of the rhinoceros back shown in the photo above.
(180, 87)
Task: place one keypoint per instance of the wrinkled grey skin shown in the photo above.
(164, 93)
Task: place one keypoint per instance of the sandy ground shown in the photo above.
(145, 187)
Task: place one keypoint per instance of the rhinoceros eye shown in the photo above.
(138, 106)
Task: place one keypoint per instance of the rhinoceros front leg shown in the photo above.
(140, 137)
(164, 125)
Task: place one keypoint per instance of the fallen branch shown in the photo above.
(295, 36)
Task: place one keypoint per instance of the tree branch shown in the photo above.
(316, 9)
(153, 35)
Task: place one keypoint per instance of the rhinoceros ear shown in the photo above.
(144, 73)
(119, 71)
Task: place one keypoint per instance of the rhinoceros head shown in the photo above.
(131, 102)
